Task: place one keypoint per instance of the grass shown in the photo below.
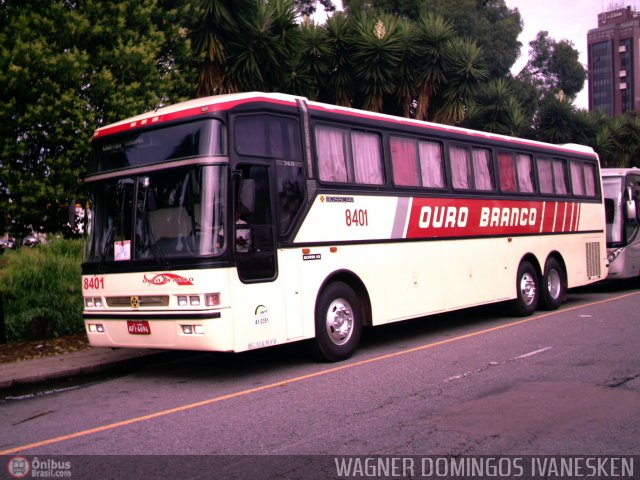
(41, 290)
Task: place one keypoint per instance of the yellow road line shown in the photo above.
(242, 393)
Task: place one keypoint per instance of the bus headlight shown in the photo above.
(192, 329)
(90, 302)
(211, 299)
(613, 254)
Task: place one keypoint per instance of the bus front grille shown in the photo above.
(143, 301)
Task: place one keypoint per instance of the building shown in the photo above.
(614, 62)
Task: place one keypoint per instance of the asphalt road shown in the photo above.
(475, 382)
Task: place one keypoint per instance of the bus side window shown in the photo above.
(431, 164)
(404, 161)
(609, 210)
(507, 172)
(458, 157)
(482, 167)
(524, 170)
(290, 193)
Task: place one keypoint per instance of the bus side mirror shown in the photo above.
(609, 209)
(632, 213)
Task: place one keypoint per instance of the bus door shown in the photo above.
(270, 163)
(254, 230)
(267, 301)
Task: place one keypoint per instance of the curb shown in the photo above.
(60, 367)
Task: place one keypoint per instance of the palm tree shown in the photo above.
(406, 73)
(245, 44)
(310, 67)
(464, 75)
(432, 41)
(261, 56)
(218, 20)
(496, 109)
(555, 121)
(377, 50)
(338, 88)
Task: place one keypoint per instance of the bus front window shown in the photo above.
(158, 216)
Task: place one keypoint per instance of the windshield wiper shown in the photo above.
(105, 247)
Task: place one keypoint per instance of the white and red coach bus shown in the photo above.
(241, 221)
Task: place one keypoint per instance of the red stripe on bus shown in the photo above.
(446, 217)
(549, 217)
(572, 217)
(439, 217)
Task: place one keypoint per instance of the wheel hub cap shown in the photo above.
(528, 288)
(339, 321)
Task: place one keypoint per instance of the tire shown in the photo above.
(554, 285)
(338, 322)
(527, 290)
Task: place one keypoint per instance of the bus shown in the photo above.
(622, 205)
(242, 221)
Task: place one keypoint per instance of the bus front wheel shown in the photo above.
(527, 290)
(338, 323)
(554, 285)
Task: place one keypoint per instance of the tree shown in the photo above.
(65, 69)
(309, 7)
(410, 9)
(493, 26)
(554, 66)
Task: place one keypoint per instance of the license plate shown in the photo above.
(139, 327)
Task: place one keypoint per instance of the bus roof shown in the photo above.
(204, 105)
(192, 108)
(619, 172)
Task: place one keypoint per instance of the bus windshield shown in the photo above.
(158, 215)
(613, 191)
(195, 139)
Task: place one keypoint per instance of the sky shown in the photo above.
(564, 20)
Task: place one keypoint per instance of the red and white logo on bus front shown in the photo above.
(448, 217)
(164, 278)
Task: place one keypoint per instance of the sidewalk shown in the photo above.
(57, 367)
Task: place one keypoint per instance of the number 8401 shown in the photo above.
(357, 217)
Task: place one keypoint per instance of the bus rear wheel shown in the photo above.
(338, 323)
(527, 290)
(554, 285)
